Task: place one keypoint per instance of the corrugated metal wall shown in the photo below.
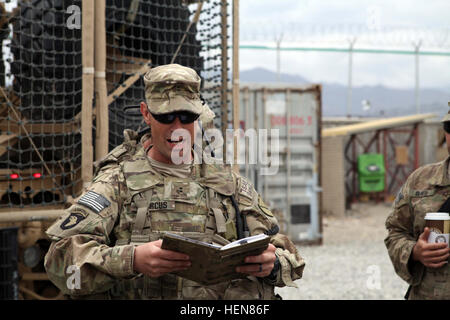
(290, 178)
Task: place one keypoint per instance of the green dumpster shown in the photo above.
(371, 172)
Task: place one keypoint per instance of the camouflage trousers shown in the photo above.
(435, 285)
(170, 287)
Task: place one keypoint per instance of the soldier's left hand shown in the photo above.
(261, 265)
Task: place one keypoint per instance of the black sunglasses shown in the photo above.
(184, 116)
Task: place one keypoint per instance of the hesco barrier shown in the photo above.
(70, 80)
(291, 183)
(9, 274)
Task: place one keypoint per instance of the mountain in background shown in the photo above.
(258, 75)
(384, 101)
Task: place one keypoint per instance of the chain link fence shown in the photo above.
(41, 82)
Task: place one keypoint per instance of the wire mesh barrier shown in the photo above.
(40, 147)
(41, 92)
(156, 33)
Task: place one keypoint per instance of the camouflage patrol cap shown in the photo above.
(173, 87)
(447, 116)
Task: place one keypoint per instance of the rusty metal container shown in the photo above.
(288, 178)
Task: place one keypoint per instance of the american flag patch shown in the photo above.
(94, 201)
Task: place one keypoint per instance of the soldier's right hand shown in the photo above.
(154, 262)
(432, 255)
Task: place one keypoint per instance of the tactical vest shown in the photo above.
(198, 207)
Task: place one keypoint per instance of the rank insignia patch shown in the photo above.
(72, 220)
(245, 189)
(94, 201)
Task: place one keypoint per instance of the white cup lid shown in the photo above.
(437, 216)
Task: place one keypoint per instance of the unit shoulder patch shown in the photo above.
(264, 208)
(398, 198)
(72, 220)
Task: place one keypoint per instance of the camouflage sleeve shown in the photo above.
(261, 220)
(81, 241)
(400, 240)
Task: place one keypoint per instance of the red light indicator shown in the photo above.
(14, 176)
(37, 175)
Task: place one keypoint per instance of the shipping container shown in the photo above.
(288, 174)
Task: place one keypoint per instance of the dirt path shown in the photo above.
(352, 263)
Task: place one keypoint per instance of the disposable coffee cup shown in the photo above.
(439, 225)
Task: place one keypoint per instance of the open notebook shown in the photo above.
(212, 263)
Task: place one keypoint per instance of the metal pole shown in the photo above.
(355, 168)
(278, 60)
(87, 90)
(288, 159)
(247, 125)
(416, 146)
(386, 163)
(417, 93)
(350, 71)
(101, 92)
(224, 102)
(265, 125)
(278, 41)
(236, 80)
(318, 147)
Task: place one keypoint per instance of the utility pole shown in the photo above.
(278, 41)
(236, 86)
(417, 45)
(350, 71)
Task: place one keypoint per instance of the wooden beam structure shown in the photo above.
(88, 45)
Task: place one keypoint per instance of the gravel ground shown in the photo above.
(352, 263)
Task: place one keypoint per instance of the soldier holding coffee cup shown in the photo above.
(417, 239)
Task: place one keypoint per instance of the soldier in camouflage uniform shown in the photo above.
(112, 234)
(423, 265)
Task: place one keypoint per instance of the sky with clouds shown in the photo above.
(380, 24)
(383, 24)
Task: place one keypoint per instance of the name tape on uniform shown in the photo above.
(161, 205)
